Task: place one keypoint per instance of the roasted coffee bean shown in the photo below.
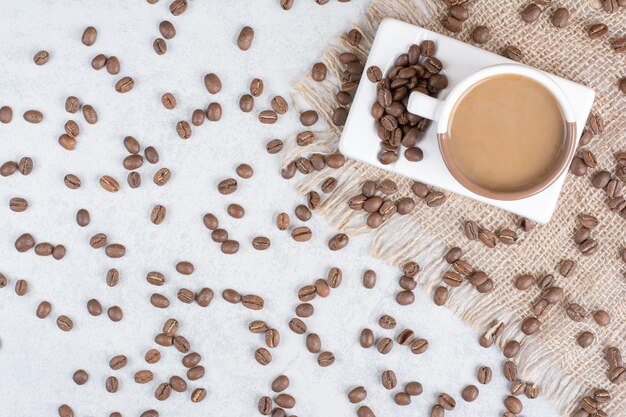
(227, 186)
(446, 401)
(94, 307)
(513, 53)
(212, 83)
(545, 282)
(567, 267)
(246, 103)
(374, 74)
(530, 325)
(600, 179)
(65, 323)
(152, 356)
(132, 146)
(253, 302)
(338, 242)
(369, 279)
(115, 313)
(358, 394)
(231, 296)
(531, 13)
(43, 309)
(513, 404)
(585, 339)
(159, 300)
(98, 62)
(325, 359)
(366, 339)
(134, 180)
(185, 295)
(164, 339)
(451, 24)
(80, 377)
(602, 318)
(24, 242)
(419, 346)
(18, 204)
(297, 326)
(588, 247)
(118, 362)
(67, 142)
(90, 115)
(470, 393)
(115, 250)
(553, 295)
(167, 29)
(236, 211)
(192, 359)
(308, 118)
(110, 184)
(576, 312)
(143, 377)
(452, 278)
(619, 45)
(601, 396)
(6, 114)
(279, 105)
(25, 166)
(301, 234)
(158, 213)
(219, 235)
(197, 117)
(319, 71)
(125, 84)
(111, 384)
(245, 38)
(89, 36)
(560, 17)
(596, 124)
(181, 344)
(98, 241)
(481, 34)
(484, 375)
(41, 57)
(214, 112)
(511, 348)
(405, 298)
(268, 117)
(617, 375)
(441, 295)
(195, 373)
(163, 392)
(258, 326)
(178, 7)
(263, 356)
(44, 249)
(160, 46)
(388, 379)
(59, 252)
(65, 411)
(313, 343)
(155, 278)
(509, 370)
(183, 129)
(229, 247)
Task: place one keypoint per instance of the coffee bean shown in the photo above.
(115, 313)
(214, 112)
(601, 396)
(229, 247)
(567, 267)
(596, 124)
(134, 180)
(197, 117)
(245, 38)
(6, 114)
(196, 372)
(183, 129)
(356, 395)
(118, 362)
(513, 53)
(484, 375)
(181, 344)
(219, 235)
(553, 295)
(297, 326)
(169, 101)
(602, 318)
(446, 401)
(67, 142)
(279, 105)
(124, 85)
(531, 13)
(451, 24)
(98, 62)
(162, 176)
(65, 323)
(112, 384)
(338, 242)
(576, 312)
(369, 279)
(236, 211)
(65, 411)
(24, 242)
(441, 295)
(470, 393)
(258, 326)
(301, 234)
(212, 83)
(89, 36)
(44, 249)
(509, 370)
(600, 179)
(41, 57)
(387, 322)
(405, 298)
(619, 45)
(94, 307)
(585, 339)
(178, 7)
(167, 29)
(43, 309)
(588, 247)
(18, 204)
(159, 300)
(325, 359)
(617, 375)
(309, 118)
(560, 17)
(164, 339)
(253, 302)
(72, 181)
(459, 12)
(185, 295)
(115, 250)
(152, 356)
(388, 379)
(90, 115)
(263, 356)
(163, 392)
(511, 348)
(366, 339)
(231, 296)
(319, 71)
(530, 325)
(80, 377)
(160, 46)
(481, 34)
(513, 404)
(363, 411)
(261, 243)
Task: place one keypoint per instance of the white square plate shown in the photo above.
(360, 141)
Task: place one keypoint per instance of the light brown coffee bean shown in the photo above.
(90, 114)
(279, 105)
(98, 62)
(162, 176)
(90, 35)
(297, 326)
(94, 307)
(160, 46)
(112, 384)
(159, 300)
(183, 129)
(319, 71)
(152, 356)
(33, 116)
(65, 323)
(263, 356)
(385, 345)
(115, 313)
(6, 114)
(388, 379)
(231, 296)
(245, 38)
(169, 101)
(313, 343)
(325, 359)
(585, 339)
(214, 112)
(118, 362)
(301, 234)
(358, 394)
(167, 29)
(253, 302)
(43, 310)
(115, 250)
(513, 404)
(405, 298)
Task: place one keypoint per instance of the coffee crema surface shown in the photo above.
(506, 133)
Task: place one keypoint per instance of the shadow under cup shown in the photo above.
(507, 137)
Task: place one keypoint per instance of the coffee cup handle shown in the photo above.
(424, 106)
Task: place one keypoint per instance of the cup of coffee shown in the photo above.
(506, 132)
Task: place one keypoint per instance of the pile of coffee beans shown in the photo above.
(613, 184)
(582, 236)
(26, 242)
(418, 70)
(591, 405)
(488, 238)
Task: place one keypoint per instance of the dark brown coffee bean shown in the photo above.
(567, 267)
(601, 396)
(513, 404)
(118, 362)
(366, 339)
(509, 370)
(134, 180)
(319, 71)
(481, 34)
(301, 234)
(446, 401)
(530, 325)
(600, 179)
(588, 247)
(484, 375)
(65, 411)
(405, 298)
(212, 83)
(160, 46)
(181, 344)
(511, 348)
(356, 395)
(25, 166)
(41, 58)
(169, 101)
(308, 118)
(90, 115)
(313, 343)
(6, 114)
(183, 129)
(159, 300)
(441, 295)
(44, 249)
(197, 117)
(585, 339)
(374, 74)
(362, 411)
(596, 124)
(115, 250)
(576, 312)
(143, 376)
(419, 346)
(115, 313)
(602, 318)
(388, 379)
(263, 356)
(617, 375)
(553, 295)
(560, 17)
(297, 326)
(185, 295)
(94, 307)
(253, 302)
(470, 393)
(167, 29)
(513, 53)
(112, 384)
(236, 211)
(43, 309)
(531, 13)
(177, 7)
(98, 62)
(89, 36)
(245, 38)
(435, 199)
(214, 112)
(124, 85)
(231, 296)
(459, 12)
(451, 24)
(325, 359)
(279, 105)
(195, 373)
(369, 279)
(18, 204)
(65, 323)
(265, 406)
(524, 282)
(338, 242)
(80, 377)
(24, 242)
(152, 356)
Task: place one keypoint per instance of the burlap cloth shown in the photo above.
(552, 358)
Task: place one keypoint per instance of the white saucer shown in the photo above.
(360, 141)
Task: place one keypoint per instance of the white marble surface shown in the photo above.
(37, 359)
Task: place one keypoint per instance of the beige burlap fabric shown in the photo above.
(552, 358)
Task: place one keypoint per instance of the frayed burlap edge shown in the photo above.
(402, 238)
